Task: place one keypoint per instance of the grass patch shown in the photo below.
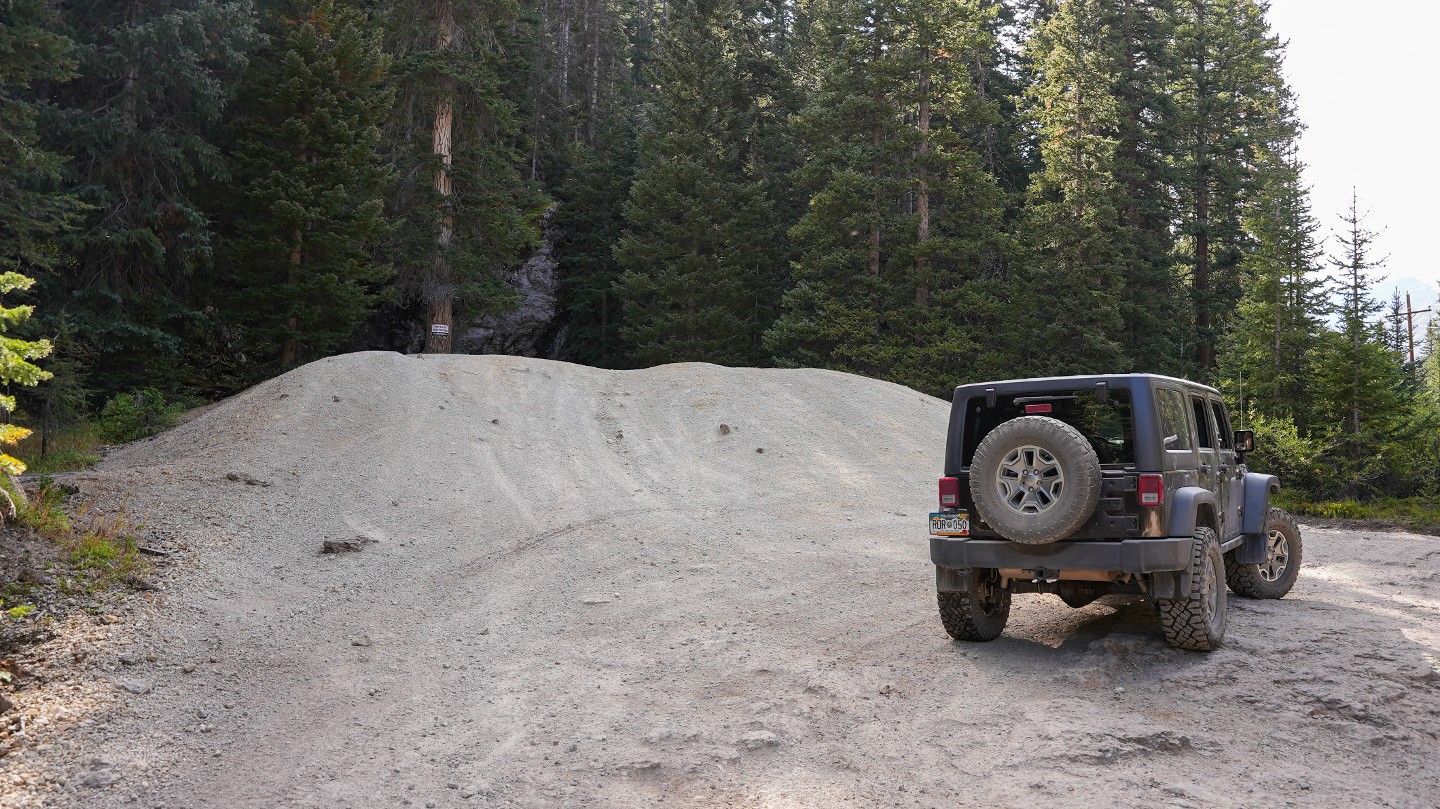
(1418, 514)
(70, 450)
(103, 547)
(96, 551)
(45, 512)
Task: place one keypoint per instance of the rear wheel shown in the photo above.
(978, 613)
(1197, 622)
(1274, 577)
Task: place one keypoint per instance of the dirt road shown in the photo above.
(690, 586)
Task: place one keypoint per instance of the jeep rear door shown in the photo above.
(1208, 467)
(1231, 473)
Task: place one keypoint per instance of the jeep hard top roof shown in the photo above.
(1135, 393)
(1042, 383)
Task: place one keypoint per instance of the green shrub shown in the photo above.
(1300, 463)
(137, 414)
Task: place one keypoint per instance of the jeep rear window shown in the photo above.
(1108, 425)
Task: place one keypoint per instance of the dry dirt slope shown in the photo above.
(587, 592)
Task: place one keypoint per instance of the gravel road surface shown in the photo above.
(687, 586)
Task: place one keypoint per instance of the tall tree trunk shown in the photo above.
(922, 203)
(288, 350)
(878, 99)
(441, 287)
(1204, 347)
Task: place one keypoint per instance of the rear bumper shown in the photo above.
(1125, 556)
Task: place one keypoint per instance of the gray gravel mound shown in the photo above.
(691, 586)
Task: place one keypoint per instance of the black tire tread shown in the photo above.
(1183, 619)
(963, 621)
(1245, 580)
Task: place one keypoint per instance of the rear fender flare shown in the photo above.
(1258, 489)
(1185, 505)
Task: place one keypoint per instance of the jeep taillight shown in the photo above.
(949, 492)
(1152, 490)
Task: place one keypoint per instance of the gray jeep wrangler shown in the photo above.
(1085, 486)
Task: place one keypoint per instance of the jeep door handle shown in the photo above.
(1224, 469)
(1205, 467)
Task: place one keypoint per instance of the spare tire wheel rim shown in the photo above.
(1277, 558)
(1029, 480)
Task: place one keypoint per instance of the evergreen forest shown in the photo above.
(197, 195)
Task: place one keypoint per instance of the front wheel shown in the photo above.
(1274, 577)
(1197, 621)
(980, 612)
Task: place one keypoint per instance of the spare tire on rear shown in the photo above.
(1035, 480)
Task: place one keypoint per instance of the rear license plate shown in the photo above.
(953, 524)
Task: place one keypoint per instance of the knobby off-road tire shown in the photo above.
(1276, 575)
(980, 612)
(1197, 622)
(1035, 480)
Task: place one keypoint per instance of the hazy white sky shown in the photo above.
(1366, 73)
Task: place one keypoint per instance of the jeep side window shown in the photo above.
(1173, 424)
(1202, 423)
(1222, 427)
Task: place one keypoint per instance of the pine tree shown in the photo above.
(1226, 89)
(1075, 275)
(63, 400)
(1395, 336)
(308, 186)
(462, 208)
(33, 211)
(17, 366)
(1272, 349)
(1153, 305)
(591, 220)
(1361, 377)
(1431, 364)
(138, 123)
(901, 273)
(703, 255)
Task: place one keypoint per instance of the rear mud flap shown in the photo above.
(952, 579)
(1169, 584)
(1253, 551)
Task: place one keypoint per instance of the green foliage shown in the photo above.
(1419, 514)
(137, 123)
(309, 183)
(447, 247)
(1229, 98)
(703, 252)
(590, 215)
(16, 365)
(1301, 463)
(1273, 350)
(34, 211)
(137, 414)
(901, 273)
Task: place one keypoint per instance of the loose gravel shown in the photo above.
(685, 586)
